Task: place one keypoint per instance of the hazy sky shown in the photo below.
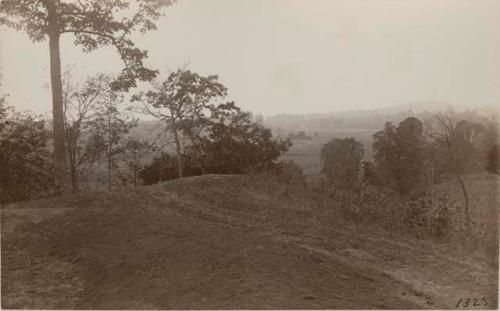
(300, 56)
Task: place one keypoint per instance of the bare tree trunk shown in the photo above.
(109, 169)
(466, 199)
(109, 153)
(198, 155)
(179, 151)
(74, 181)
(58, 114)
(72, 161)
(431, 181)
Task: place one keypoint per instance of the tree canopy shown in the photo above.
(94, 23)
(342, 161)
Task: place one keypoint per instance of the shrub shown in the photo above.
(439, 218)
(342, 162)
(164, 168)
(25, 158)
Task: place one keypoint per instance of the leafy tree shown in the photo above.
(25, 163)
(342, 161)
(399, 154)
(164, 168)
(94, 23)
(234, 143)
(291, 175)
(134, 152)
(231, 144)
(489, 147)
(457, 140)
(109, 128)
(182, 104)
(369, 173)
(385, 152)
(493, 160)
(411, 144)
(79, 105)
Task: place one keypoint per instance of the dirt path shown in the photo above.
(159, 247)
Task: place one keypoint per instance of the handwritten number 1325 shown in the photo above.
(471, 302)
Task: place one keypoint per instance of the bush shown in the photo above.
(439, 219)
(418, 215)
(164, 168)
(25, 158)
(341, 159)
(286, 176)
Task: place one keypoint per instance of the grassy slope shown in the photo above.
(220, 242)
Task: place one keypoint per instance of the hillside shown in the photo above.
(225, 242)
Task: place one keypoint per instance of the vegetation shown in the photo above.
(25, 157)
(230, 143)
(399, 154)
(94, 24)
(182, 104)
(389, 173)
(342, 162)
(364, 187)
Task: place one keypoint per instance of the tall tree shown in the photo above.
(94, 23)
(80, 102)
(342, 161)
(490, 148)
(399, 154)
(109, 129)
(457, 139)
(182, 104)
(493, 160)
(233, 143)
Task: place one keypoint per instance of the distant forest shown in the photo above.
(368, 119)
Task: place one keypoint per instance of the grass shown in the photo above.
(221, 242)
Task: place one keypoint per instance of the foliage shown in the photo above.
(25, 163)
(417, 215)
(234, 143)
(399, 154)
(94, 24)
(134, 152)
(342, 161)
(457, 140)
(164, 168)
(291, 176)
(109, 128)
(182, 103)
(493, 160)
(369, 174)
(490, 146)
(231, 144)
(80, 104)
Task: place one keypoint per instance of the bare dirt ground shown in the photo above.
(219, 242)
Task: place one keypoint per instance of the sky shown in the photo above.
(298, 56)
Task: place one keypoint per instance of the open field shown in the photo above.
(225, 242)
(307, 153)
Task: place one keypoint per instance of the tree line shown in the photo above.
(209, 135)
(410, 158)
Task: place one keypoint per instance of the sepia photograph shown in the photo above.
(249, 154)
